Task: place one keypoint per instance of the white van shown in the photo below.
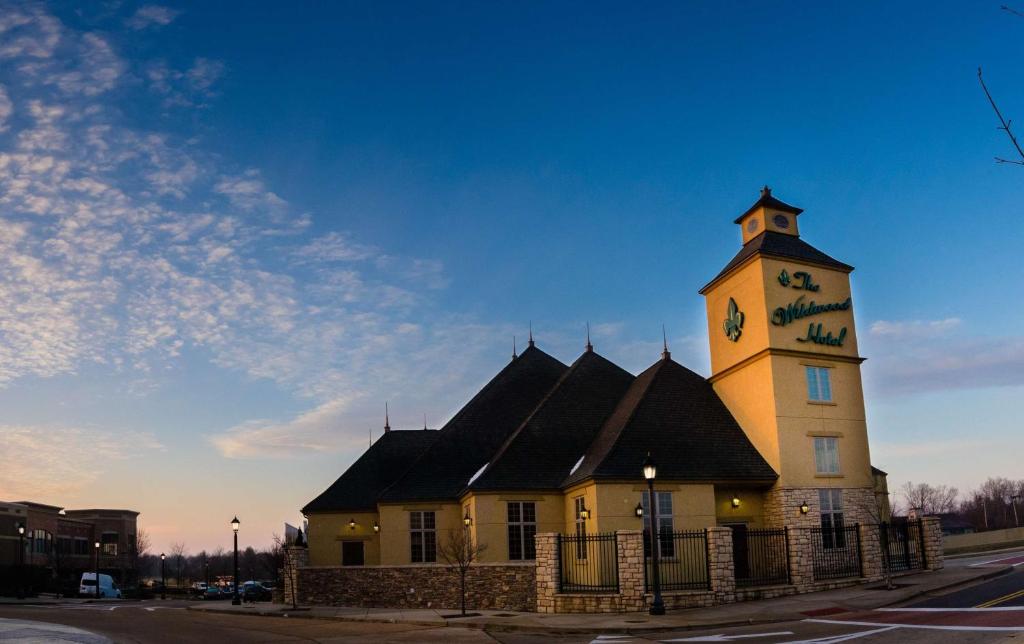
(87, 587)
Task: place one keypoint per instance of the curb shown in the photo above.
(597, 630)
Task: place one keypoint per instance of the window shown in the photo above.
(581, 528)
(81, 546)
(665, 525)
(831, 503)
(109, 543)
(819, 384)
(352, 553)
(522, 526)
(826, 455)
(423, 533)
(41, 541)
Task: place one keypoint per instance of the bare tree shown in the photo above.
(459, 552)
(178, 551)
(287, 568)
(928, 499)
(1004, 124)
(875, 510)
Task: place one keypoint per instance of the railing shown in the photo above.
(836, 552)
(760, 557)
(683, 560)
(588, 563)
(903, 545)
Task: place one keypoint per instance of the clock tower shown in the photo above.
(784, 360)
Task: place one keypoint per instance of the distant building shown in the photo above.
(63, 541)
(953, 523)
(775, 437)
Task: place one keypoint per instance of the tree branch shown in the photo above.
(1013, 11)
(1004, 124)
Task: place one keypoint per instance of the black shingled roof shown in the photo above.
(768, 201)
(472, 437)
(780, 245)
(378, 467)
(674, 414)
(546, 446)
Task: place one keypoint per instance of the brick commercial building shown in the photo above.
(60, 544)
(765, 458)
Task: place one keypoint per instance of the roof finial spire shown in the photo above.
(531, 333)
(590, 347)
(514, 354)
(424, 421)
(665, 355)
(766, 191)
(387, 422)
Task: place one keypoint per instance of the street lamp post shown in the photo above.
(96, 547)
(650, 472)
(163, 576)
(21, 561)
(234, 527)
(1013, 502)
(206, 570)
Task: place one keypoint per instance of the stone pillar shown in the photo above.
(871, 562)
(630, 549)
(721, 570)
(547, 571)
(296, 558)
(933, 553)
(801, 558)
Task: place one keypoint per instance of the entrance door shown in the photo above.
(741, 562)
(351, 553)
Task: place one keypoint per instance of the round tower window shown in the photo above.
(782, 221)
(752, 225)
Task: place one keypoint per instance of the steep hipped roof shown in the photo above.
(768, 201)
(674, 414)
(471, 438)
(547, 445)
(773, 244)
(380, 466)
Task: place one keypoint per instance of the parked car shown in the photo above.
(256, 593)
(87, 586)
(212, 592)
(198, 588)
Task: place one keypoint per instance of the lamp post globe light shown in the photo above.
(234, 527)
(650, 469)
(163, 576)
(96, 548)
(20, 560)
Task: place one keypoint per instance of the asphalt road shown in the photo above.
(990, 611)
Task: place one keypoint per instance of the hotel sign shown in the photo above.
(799, 309)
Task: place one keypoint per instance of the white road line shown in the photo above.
(727, 638)
(832, 639)
(1017, 629)
(949, 610)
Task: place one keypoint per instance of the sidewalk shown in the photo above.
(782, 609)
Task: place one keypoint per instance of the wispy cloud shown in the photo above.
(914, 328)
(151, 15)
(47, 462)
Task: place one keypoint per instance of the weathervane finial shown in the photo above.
(665, 355)
(590, 347)
(387, 422)
(514, 354)
(531, 333)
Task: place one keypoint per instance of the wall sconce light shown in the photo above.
(467, 520)
(735, 501)
(639, 511)
(584, 513)
(351, 524)
(804, 508)
(376, 527)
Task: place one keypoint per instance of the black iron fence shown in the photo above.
(760, 556)
(836, 552)
(903, 545)
(683, 560)
(588, 563)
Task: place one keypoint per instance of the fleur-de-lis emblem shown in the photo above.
(784, 278)
(733, 322)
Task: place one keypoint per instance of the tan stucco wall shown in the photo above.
(613, 505)
(750, 512)
(395, 544)
(489, 513)
(328, 531)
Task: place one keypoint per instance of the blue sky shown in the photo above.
(231, 231)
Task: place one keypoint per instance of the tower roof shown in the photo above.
(768, 201)
(674, 414)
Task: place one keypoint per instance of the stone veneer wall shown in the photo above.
(934, 554)
(511, 586)
(782, 506)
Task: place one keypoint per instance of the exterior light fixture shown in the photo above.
(96, 545)
(21, 529)
(376, 527)
(235, 600)
(467, 520)
(351, 524)
(804, 508)
(163, 576)
(584, 513)
(235, 523)
(639, 510)
(96, 567)
(735, 501)
(650, 470)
